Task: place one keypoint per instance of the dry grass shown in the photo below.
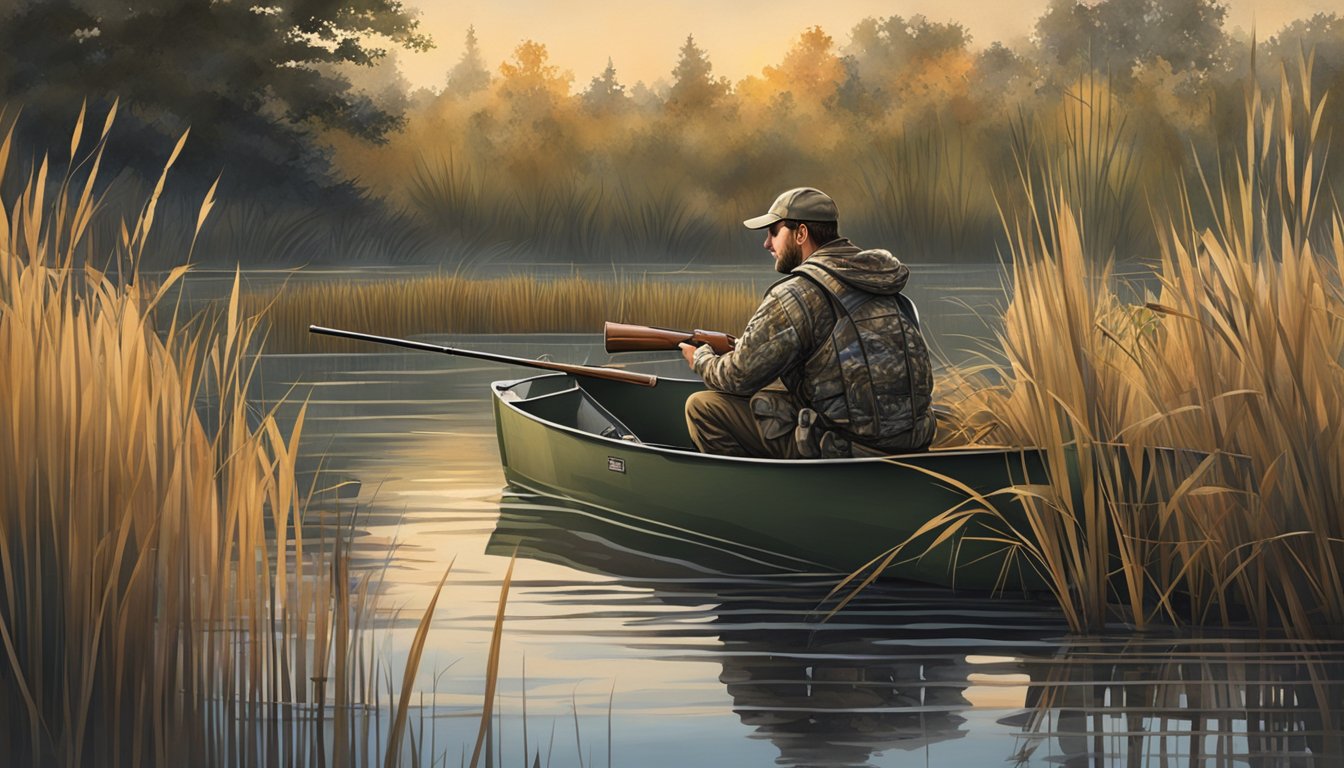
(160, 604)
(1240, 355)
(445, 304)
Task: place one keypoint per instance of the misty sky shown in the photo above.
(741, 37)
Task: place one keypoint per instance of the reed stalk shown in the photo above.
(1085, 155)
(159, 601)
(1237, 364)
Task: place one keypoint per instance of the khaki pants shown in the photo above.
(726, 425)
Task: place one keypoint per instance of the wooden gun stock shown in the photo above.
(642, 338)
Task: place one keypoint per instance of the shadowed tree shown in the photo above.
(530, 84)
(694, 88)
(469, 75)
(1321, 38)
(605, 94)
(247, 79)
(534, 96)
(1119, 35)
(883, 54)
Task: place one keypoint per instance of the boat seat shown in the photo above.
(615, 432)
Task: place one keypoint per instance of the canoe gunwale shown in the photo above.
(503, 389)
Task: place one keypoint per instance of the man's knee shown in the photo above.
(711, 422)
(703, 404)
(704, 411)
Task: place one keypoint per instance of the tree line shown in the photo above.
(931, 144)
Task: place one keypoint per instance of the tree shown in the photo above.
(254, 83)
(694, 89)
(1001, 76)
(1119, 35)
(605, 94)
(469, 75)
(883, 54)
(810, 71)
(530, 81)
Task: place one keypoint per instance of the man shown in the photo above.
(854, 369)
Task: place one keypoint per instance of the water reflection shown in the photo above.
(905, 667)
(894, 671)
(1193, 702)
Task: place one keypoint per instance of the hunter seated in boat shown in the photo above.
(831, 365)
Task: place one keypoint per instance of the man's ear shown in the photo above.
(801, 234)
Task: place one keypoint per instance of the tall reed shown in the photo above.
(920, 197)
(160, 604)
(1086, 155)
(1239, 359)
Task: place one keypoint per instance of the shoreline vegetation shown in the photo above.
(170, 594)
(444, 304)
(1238, 358)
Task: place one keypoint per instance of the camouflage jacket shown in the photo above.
(879, 397)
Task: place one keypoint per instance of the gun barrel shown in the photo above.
(629, 377)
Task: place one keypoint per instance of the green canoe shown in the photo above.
(624, 451)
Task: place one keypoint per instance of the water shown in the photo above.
(624, 651)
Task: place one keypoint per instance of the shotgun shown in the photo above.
(642, 338)
(629, 377)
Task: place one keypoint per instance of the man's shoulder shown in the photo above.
(800, 299)
(796, 284)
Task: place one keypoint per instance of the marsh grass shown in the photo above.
(1238, 360)
(922, 199)
(448, 304)
(588, 217)
(255, 231)
(160, 602)
(1086, 157)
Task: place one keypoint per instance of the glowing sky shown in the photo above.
(741, 36)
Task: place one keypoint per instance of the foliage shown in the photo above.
(247, 79)
(916, 132)
(694, 88)
(606, 95)
(918, 136)
(1194, 463)
(171, 594)
(1116, 36)
(470, 74)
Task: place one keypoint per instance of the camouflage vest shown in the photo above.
(870, 379)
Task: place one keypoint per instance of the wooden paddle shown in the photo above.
(593, 372)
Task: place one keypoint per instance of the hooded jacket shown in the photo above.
(869, 380)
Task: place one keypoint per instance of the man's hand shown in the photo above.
(688, 352)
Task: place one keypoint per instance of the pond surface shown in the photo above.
(620, 650)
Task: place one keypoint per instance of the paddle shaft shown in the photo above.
(629, 377)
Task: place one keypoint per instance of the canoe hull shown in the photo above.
(823, 515)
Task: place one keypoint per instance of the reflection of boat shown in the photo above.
(625, 448)
(884, 674)
(900, 667)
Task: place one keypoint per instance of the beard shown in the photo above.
(788, 257)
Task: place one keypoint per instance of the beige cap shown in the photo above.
(801, 204)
